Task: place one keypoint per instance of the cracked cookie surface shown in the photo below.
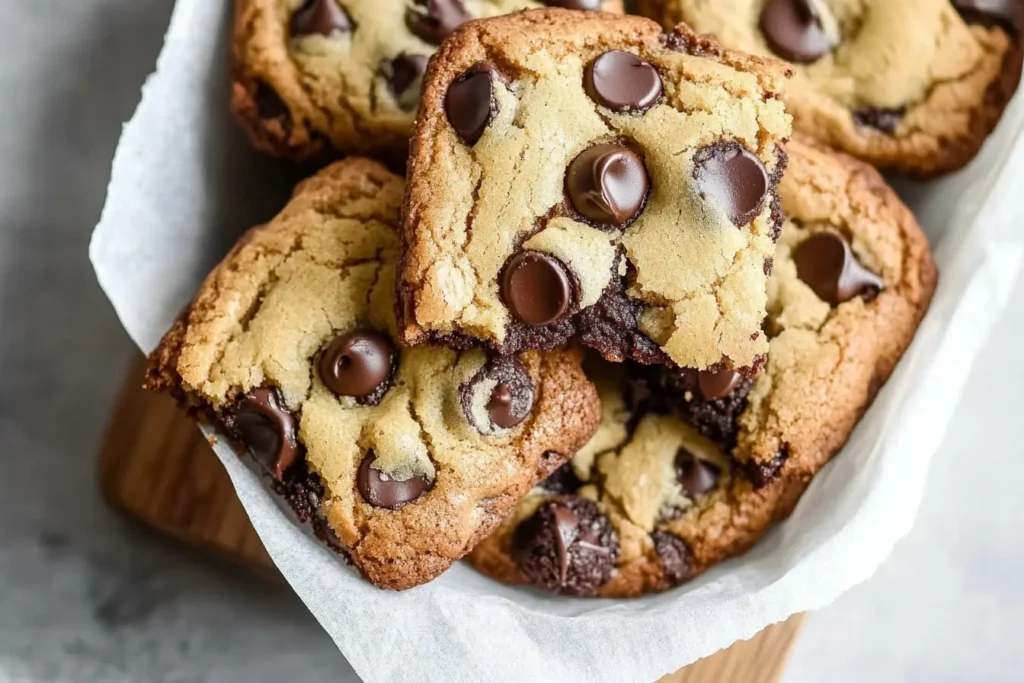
(401, 458)
(915, 85)
(586, 176)
(687, 469)
(315, 78)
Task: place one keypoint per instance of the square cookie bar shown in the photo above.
(315, 78)
(586, 176)
(915, 85)
(402, 459)
(687, 468)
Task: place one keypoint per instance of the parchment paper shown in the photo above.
(184, 186)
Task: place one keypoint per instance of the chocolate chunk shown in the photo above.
(825, 262)
(1008, 13)
(765, 472)
(359, 364)
(733, 178)
(607, 184)
(566, 547)
(470, 102)
(696, 476)
(574, 4)
(535, 287)
(261, 422)
(403, 76)
(795, 31)
(322, 17)
(622, 82)
(885, 120)
(510, 400)
(381, 491)
(716, 384)
(435, 20)
(676, 557)
(562, 481)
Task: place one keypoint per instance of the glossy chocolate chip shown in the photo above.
(536, 288)
(358, 363)
(567, 546)
(885, 120)
(381, 491)
(435, 20)
(622, 82)
(1008, 13)
(403, 76)
(607, 184)
(717, 384)
(509, 398)
(470, 102)
(795, 31)
(826, 264)
(695, 475)
(322, 17)
(732, 177)
(265, 426)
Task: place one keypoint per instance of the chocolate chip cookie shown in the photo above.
(314, 78)
(403, 459)
(587, 176)
(689, 468)
(914, 85)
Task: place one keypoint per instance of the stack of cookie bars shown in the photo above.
(628, 298)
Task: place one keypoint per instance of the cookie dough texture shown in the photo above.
(322, 268)
(825, 365)
(909, 84)
(351, 86)
(683, 280)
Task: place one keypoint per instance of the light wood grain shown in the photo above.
(156, 467)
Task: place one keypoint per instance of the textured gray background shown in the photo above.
(88, 596)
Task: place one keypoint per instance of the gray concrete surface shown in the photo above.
(88, 596)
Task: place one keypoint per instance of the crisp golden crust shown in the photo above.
(263, 318)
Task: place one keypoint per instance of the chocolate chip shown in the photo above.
(403, 76)
(885, 120)
(470, 102)
(1008, 13)
(622, 82)
(562, 481)
(381, 491)
(536, 288)
(262, 423)
(574, 4)
(322, 17)
(269, 104)
(607, 184)
(732, 177)
(567, 546)
(794, 30)
(509, 398)
(717, 384)
(762, 473)
(696, 476)
(825, 262)
(435, 20)
(359, 364)
(676, 557)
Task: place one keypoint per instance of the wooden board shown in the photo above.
(156, 467)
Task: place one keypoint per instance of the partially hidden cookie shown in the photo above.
(914, 85)
(317, 78)
(689, 468)
(587, 176)
(402, 459)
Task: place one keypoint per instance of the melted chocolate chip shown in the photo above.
(825, 262)
(607, 184)
(885, 120)
(322, 17)
(794, 30)
(732, 177)
(676, 557)
(435, 20)
(403, 76)
(566, 547)
(716, 384)
(622, 82)
(264, 425)
(381, 491)
(696, 476)
(511, 395)
(1007, 13)
(359, 364)
(536, 288)
(470, 102)
(562, 481)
